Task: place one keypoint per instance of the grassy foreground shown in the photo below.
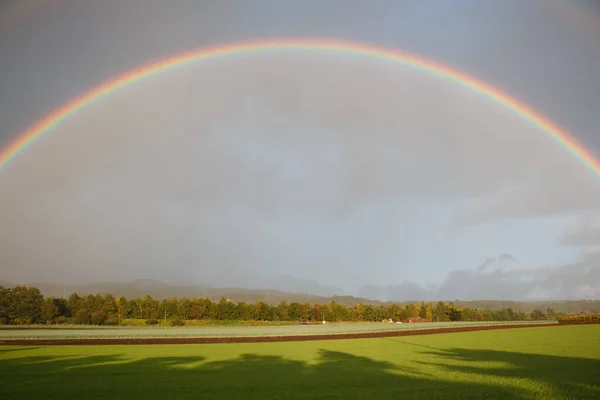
(553, 362)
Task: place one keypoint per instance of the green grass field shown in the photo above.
(544, 363)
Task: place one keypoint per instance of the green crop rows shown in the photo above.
(230, 331)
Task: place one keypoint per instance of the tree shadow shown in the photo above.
(333, 375)
(11, 349)
(566, 375)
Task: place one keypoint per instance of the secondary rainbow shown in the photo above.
(545, 125)
(581, 14)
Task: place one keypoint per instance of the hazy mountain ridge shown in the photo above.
(161, 290)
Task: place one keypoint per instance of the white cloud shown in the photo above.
(585, 232)
(569, 282)
(585, 235)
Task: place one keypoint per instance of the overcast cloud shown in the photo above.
(303, 170)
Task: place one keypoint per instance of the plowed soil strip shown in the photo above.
(261, 339)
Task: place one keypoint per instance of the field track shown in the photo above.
(260, 339)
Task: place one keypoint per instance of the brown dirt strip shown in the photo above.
(261, 339)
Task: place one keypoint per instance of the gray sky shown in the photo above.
(298, 170)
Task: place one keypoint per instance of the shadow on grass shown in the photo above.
(10, 350)
(568, 376)
(335, 375)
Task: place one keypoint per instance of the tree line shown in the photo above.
(26, 305)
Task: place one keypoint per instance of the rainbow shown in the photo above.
(545, 126)
(15, 13)
(581, 13)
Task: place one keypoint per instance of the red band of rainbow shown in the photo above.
(544, 125)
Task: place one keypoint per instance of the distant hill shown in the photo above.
(160, 290)
(568, 306)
